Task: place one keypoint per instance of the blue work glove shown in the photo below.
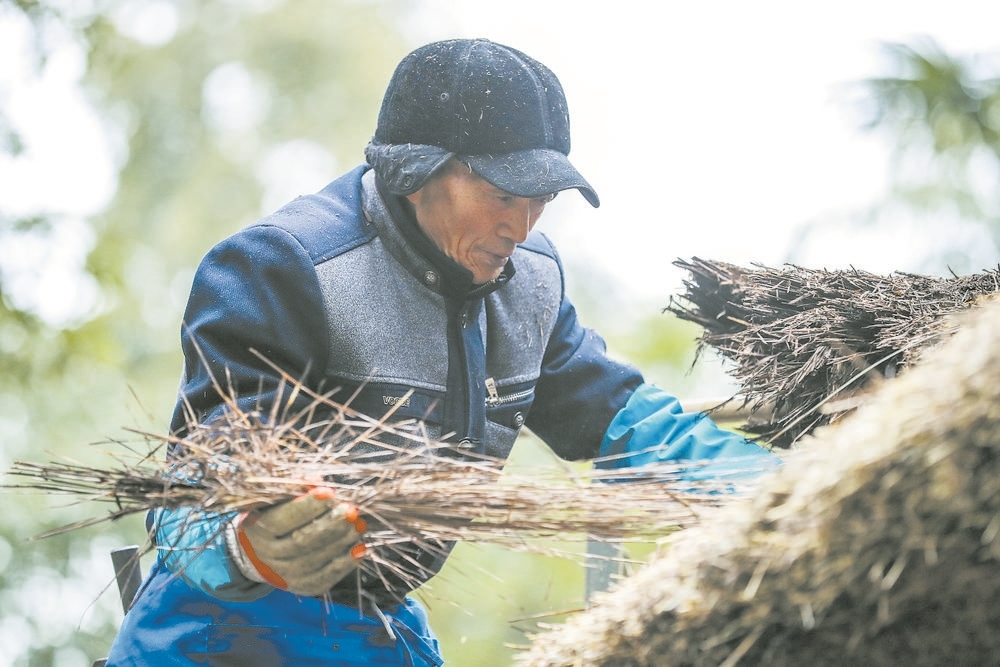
(653, 428)
(192, 545)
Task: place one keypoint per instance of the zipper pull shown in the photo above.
(492, 396)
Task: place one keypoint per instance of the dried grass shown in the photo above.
(806, 344)
(877, 543)
(412, 491)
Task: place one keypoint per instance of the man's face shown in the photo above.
(473, 222)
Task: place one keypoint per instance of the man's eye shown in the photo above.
(546, 199)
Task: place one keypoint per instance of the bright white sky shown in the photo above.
(708, 128)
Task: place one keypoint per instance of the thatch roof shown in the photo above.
(804, 343)
(876, 542)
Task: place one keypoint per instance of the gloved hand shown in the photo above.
(304, 546)
(654, 428)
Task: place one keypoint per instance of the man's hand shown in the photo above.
(304, 546)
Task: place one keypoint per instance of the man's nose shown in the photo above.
(519, 220)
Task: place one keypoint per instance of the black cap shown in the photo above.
(496, 108)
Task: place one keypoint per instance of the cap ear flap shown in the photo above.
(405, 168)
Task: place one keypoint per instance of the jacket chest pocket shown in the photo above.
(508, 406)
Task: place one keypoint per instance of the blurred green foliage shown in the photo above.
(942, 113)
(939, 114)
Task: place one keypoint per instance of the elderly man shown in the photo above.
(416, 275)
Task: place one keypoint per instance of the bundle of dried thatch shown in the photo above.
(806, 343)
(878, 544)
(412, 491)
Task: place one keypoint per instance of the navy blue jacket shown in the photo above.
(343, 291)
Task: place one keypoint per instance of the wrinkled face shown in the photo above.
(472, 221)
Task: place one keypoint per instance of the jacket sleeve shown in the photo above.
(580, 388)
(653, 428)
(254, 296)
(255, 293)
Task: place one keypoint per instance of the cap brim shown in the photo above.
(532, 173)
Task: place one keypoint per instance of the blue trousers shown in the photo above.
(171, 623)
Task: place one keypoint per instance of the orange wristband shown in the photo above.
(263, 569)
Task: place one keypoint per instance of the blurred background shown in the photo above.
(134, 134)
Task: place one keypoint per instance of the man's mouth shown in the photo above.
(498, 259)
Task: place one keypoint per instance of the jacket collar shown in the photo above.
(402, 236)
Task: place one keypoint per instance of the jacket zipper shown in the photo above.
(494, 399)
